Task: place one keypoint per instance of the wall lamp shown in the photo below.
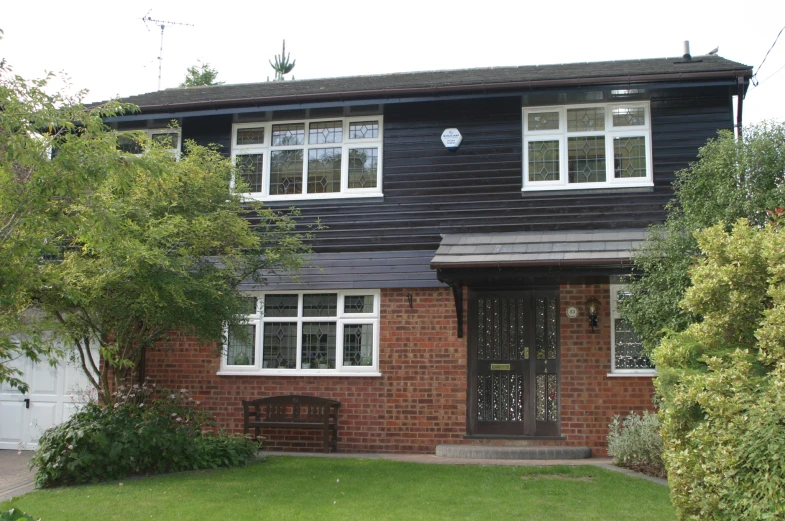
(592, 307)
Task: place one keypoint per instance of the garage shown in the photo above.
(54, 394)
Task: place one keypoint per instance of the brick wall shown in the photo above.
(420, 399)
(589, 397)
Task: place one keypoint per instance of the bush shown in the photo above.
(722, 380)
(143, 432)
(635, 443)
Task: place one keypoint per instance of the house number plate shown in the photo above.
(500, 367)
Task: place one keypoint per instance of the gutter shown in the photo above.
(610, 263)
(530, 85)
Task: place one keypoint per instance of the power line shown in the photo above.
(754, 80)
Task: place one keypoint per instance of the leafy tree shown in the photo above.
(722, 380)
(200, 74)
(34, 194)
(732, 179)
(161, 245)
(113, 251)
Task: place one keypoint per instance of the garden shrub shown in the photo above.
(143, 432)
(722, 380)
(635, 443)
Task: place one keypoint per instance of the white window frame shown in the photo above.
(616, 314)
(175, 151)
(341, 319)
(345, 145)
(561, 135)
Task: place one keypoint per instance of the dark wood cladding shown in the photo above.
(429, 190)
(210, 130)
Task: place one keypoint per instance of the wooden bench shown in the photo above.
(294, 412)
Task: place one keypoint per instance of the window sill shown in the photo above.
(641, 374)
(311, 197)
(586, 191)
(294, 372)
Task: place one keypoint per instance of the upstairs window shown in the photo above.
(627, 355)
(169, 138)
(587, 146)
(310, 159)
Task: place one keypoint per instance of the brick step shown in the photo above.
(507, 452)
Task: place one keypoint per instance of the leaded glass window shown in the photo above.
(251, 169)
(364, 130)
(240, 345)
(543, 161)
(286, 172)
(599, 145)
(326, 332)
(586, 159)
(324, 170)
(250, 136)
(326, 132)
(310, 158)
(628, 353)
(543, 121)
(585, 120)
(363, 167)
(288, 135)
(629, 157)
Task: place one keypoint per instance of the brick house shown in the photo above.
(461, 295)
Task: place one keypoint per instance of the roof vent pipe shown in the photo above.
(687, 56)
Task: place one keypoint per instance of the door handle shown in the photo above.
(27, 403)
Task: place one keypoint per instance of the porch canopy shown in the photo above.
(549, 248)
(478, 259)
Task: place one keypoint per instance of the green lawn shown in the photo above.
(283, 488)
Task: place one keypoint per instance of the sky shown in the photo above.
(107, 48)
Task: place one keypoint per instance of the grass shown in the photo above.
(291, 488)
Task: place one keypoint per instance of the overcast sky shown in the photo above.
(105, 47)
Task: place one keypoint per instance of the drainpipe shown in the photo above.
(741, 82)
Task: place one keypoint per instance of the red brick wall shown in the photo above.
(589, 397)
(420, 399)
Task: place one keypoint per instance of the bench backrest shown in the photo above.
(310, 409)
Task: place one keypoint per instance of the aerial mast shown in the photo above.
(162, 24)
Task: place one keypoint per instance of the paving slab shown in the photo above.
(15, 477)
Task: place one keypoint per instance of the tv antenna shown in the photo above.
(162, 24)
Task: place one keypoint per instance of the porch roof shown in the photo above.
(549, 248)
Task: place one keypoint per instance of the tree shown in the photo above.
(160, 246)
(722, 379)
(35, 190)
(200, 74)
(114, 251)
(732, 179)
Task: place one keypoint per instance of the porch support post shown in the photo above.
(457, 293)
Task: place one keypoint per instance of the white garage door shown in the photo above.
(55, 393)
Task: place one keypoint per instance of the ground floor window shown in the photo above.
(627, 355)
(314, 333)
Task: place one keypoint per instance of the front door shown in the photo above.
(514, 363)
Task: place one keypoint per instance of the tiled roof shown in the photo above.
(557, 248)
(433, 82)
